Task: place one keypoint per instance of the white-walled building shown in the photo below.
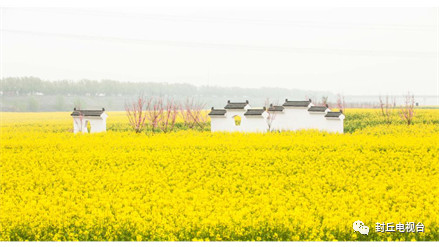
(291, 116)
(96, 118)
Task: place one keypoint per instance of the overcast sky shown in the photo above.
(343, 50)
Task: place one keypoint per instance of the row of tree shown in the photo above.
(14, 86)
(406, 110)
(162, 113)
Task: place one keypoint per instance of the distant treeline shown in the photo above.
(35, 86)
(34, 94)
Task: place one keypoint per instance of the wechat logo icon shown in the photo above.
(360, 227)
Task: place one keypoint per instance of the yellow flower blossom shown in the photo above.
(192, 185)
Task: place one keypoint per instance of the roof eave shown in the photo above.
(292, 106)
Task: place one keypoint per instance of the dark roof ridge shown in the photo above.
(217, 112)
(334, 114)
(254, 112)
(275, 108)
(236, 105)
(85, 113)
(318, 108)
(297, 103)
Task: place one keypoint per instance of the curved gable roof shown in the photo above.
(300, 103)
(276, 108)
(217, 112)
(87, 113)
(317, 108)
(333, 114)
(236, 105)
(254, 112)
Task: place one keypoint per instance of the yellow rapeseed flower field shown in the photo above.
(197, 185)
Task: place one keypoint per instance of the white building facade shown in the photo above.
(255, 120)
(95, 119)
(291, 116)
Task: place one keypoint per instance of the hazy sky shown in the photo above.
(348, 50)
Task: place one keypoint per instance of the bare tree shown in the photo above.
(407, 111)
(270, 108)
(324, 100)
(341, 102)
(136, 112)
(170, 113)
(193, 114)
(387, 108)
(155, 112)
(79, 121)
(185, 110)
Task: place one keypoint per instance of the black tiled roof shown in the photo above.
(217, 112)
(333, 114)
(254, 112)
(304, 103)
(236, 105)
(276, 108)
(317, 108)
(87, 113)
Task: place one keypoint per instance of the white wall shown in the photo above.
(292, 118)
(235, 112)
(221, 123)
(255, 124)
(97, 124)
(318, 121)
(297, 118)
(231, 113)
(226, 124)
(79, 125)
(248, 123)
(300, 118)
(280, 121)
(334, 125)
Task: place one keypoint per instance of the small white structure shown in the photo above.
(334, 121)
(291, 116)
(231, 118)
(219, 121)
(297, 115)
(96, 118)
(235, 113)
